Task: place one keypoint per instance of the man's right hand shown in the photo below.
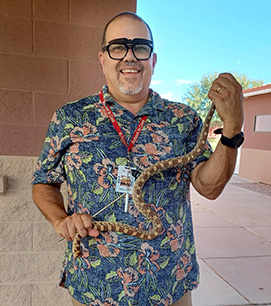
(49, 200)
(69, 226)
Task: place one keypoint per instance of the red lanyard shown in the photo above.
(117, 127)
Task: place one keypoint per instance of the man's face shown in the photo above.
(127, 78)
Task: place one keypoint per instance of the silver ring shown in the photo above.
(218, 89)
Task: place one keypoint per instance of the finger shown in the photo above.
(71, 227)
(228, 81)
(93, 233)
(218, 88)
(229, 77)
(79, 226)
(223, 87)
(87, 221)
(216, 91)
(62, 229)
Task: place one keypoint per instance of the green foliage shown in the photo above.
(197, 94)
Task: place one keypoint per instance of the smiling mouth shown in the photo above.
(129, 71)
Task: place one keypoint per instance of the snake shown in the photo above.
(137, 194)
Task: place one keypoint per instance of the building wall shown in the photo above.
(255, 161)
(48, 56)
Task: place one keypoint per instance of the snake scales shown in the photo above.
(138, 200)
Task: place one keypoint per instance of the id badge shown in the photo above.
(125, 180)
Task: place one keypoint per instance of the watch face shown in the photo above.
(239, 140)
(234, 142)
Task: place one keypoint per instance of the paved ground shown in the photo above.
(233, 240)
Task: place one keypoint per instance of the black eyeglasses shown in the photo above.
(118, 48)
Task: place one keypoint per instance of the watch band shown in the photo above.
(234, 142)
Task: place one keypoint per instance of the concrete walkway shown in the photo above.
(233, 241)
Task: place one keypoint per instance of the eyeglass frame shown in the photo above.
(129, 44)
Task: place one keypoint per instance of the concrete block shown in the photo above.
(89, 12)
(30, 267)
(52, 10)
(45, 239)
(33, 73)
(15, 34)
(16, 107)
(19, 171)
(15, 237)
(16, 8)
(18, 206)
(26, 140)
(67, 40)
(16, 294)
(50, 294)
(82, 79)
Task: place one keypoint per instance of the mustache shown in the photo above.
(130, 64)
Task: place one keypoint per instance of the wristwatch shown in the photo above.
(234, 142)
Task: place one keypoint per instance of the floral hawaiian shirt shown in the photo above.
(83, 148)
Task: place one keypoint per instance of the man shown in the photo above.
(88, 145)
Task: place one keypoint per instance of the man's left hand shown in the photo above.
(227, 95)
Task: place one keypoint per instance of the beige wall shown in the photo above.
(30, 254)
(256, 165)
(48, 56)
(256, 105)
(255, 160)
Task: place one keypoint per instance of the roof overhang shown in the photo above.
(257, 91)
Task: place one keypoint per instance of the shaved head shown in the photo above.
(121, 15)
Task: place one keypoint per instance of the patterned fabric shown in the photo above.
(83, 149)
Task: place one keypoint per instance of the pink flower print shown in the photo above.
(107, 302)
(101, 110)
(56, 174)
(180, 174)
(184, 266)
(101, 179)
(55, 143)
(84, 134)
(107, 245)
(54, 119)
(175, 234)
(165, 301)
(83, 210)
(160, 137)
(147, 259)
(73, 160)
(152, 127)
(146, 153)
(177, 110)
(129, 280)
(107, 172)
(133, 210)
(157, 135)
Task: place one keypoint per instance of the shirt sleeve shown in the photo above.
(50, 165)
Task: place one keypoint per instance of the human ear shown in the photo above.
(154, 60)
(102, 60)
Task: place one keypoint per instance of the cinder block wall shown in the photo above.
(48, 56)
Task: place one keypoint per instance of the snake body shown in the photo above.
(138, 200)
